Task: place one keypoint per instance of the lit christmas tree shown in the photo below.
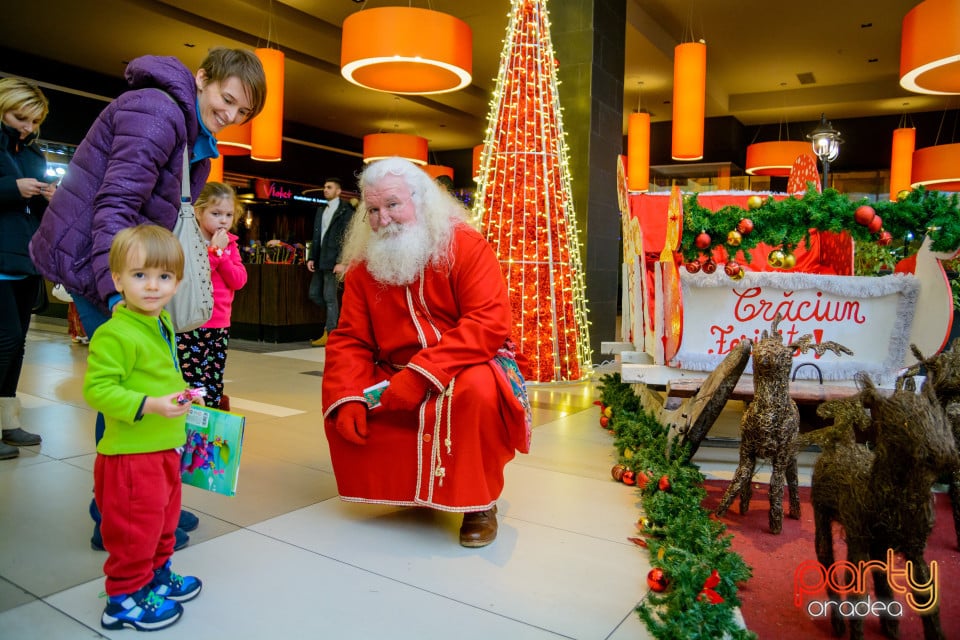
(525, 203)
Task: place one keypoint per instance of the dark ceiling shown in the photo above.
(847, 54)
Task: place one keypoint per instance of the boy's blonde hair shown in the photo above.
(159, 247)
(214, 191)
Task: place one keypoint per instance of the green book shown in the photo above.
(211, 456)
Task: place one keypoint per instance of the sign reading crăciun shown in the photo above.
(872, 316)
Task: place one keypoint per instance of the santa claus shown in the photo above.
(425, 311)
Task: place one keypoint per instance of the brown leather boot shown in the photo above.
(479, 528)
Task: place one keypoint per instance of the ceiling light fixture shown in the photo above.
(437, 170)
(266, 134)
(234, 140)
(930, 48)
(405, 50)
(638, 147)
(689, 97)
(937, 167)
(774, 158)
(901, 158)
(377, 146)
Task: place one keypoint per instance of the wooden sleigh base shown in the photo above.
(689, 422)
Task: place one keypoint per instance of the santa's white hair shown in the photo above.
(429, 239)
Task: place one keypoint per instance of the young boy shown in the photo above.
(133, 378)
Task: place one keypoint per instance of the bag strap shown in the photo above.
(185, 197)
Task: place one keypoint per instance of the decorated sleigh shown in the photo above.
(704, 272)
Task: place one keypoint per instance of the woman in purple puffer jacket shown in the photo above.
(127, 171)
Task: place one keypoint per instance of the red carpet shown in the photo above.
(767, 597)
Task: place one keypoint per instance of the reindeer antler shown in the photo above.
(805, 343)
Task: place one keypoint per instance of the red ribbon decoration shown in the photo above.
(708, 593)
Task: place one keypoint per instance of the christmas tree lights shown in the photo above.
(525, 206)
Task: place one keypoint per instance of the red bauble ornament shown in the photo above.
(604, 421)
(664, 483)
(864, 214)
(702, 241)
(709, 267)
(629, 478)
(643, 478)
(732, 268)
(693, 266)
(745, 226)
(618, 471)
(657, 580)
(884, 239)
(734, 238)
(875, 225)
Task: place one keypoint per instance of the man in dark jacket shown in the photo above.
(329, 226)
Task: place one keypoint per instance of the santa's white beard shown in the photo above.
(397, 253)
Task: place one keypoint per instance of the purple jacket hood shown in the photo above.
(125, 172)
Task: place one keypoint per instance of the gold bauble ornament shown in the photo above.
(775, 258)
(903, 194)
(754, 202)
(789, 261)
(734, 238)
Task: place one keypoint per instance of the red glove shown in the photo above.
(406, 391)
(351, 422)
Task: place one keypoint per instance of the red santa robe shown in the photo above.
(447, 325)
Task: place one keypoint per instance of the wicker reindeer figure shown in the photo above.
(769, 427)
(943, 373)
(882, 499)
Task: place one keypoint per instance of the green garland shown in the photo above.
(683, 541)
(787, 222)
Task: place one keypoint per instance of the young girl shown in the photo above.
(133, 381)
(203, 351)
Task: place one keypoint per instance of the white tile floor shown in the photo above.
(285, 558)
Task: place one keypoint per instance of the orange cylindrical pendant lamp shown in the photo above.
(406, 50)
(689, 99)
(377, 146)
(937, 168)
(930, 48)
(477, 157)
(216, 169)
(901, 160)
(774, 158)
(437, 170)
(638, 152)
(266, 134)
(234, 140)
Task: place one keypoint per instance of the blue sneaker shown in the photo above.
(173, 586)
(188, 521)
(142, 610)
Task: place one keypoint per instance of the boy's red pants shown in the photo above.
(139, 500)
